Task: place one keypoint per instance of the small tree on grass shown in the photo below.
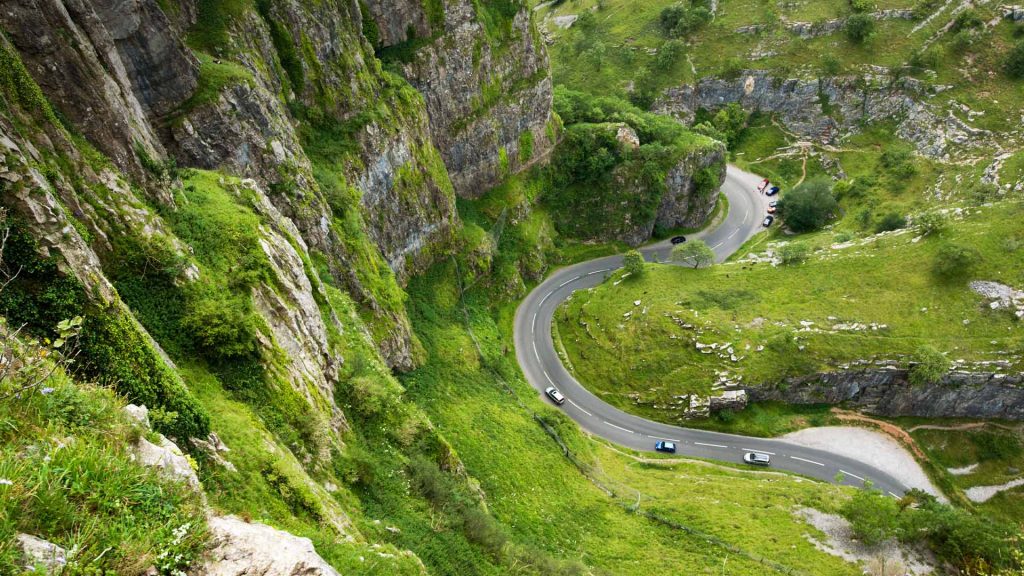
(697, 253)
(793, 253)
(859, 27)
(930, 223)
(633, 263)
(890, 221)
(929, 366)
(955, 261)
(808, 206)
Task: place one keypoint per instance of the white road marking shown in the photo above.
(841, 471)
(535, 353)
(760, 451)
(668, 439)
(713, 445)
(806, 460)
(545, 299)
(534, 329)
(580, 408)
(550, 381)
(746, 215)
(569, 281)
(733, 233)
(619, 427)
(717, 245)
(894, 495)
(597, 271)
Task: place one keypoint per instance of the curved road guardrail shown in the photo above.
(540, 363)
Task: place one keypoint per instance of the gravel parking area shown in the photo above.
(870, 447)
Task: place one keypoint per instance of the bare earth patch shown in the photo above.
(889, 557)
(870, 447)
(963, 471)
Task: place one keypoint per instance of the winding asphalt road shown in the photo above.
(542, 367)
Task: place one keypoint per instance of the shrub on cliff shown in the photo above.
(929, 366)
(809, 206)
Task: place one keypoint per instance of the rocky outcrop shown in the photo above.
(163, 456)
(105, 65)
(242, 548)
(489, 103)
(395, 19)
(807, 30)
(824, 110)
(888, 392)
(38, 553)
(685, 204)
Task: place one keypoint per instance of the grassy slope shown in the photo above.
(629, 33)
(887, 280)
(542, 497)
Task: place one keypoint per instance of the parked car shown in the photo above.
(757, 458)
(555, 395)
(768, 221)
(773, 204)
(772, 191)
(678, 239)
(662, 446)
(772, 209)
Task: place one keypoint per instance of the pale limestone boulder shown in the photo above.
(241, 548)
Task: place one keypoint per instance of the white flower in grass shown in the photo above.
(6, 482)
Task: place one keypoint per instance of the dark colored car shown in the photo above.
(768, 221)
(669, 447)
(772, 191)
(678, 239)
(757, 459)
(555, 396)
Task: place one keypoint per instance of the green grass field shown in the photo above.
(648, 358)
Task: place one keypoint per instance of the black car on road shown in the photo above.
(768, 221)
(678, 239)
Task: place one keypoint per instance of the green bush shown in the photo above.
(809, 206)
(859, 28)
(899, 162)
(862, 5)
(223, 326)
(929, 366)
(967, 20)
(1013, 65)
(954, 261)
(695, 252)
(930, 223)
(793, 253)
(890, 221)
(873, 515)
(633, 263)
(115, 352)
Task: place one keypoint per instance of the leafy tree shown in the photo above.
(929, 366)
(890, 221)
(586, 23)
(793, 253)
(966, 20)
(730, 121)
(633, 263)
(1014, 63)
(695, 252)
(930, 223)
(808, 206)
(669, 17)
(955, 261)
(668, 54)
(859, 27)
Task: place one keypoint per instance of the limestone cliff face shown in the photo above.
(826, 109)
(889, 393)
(684, 205)
(488, 92)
